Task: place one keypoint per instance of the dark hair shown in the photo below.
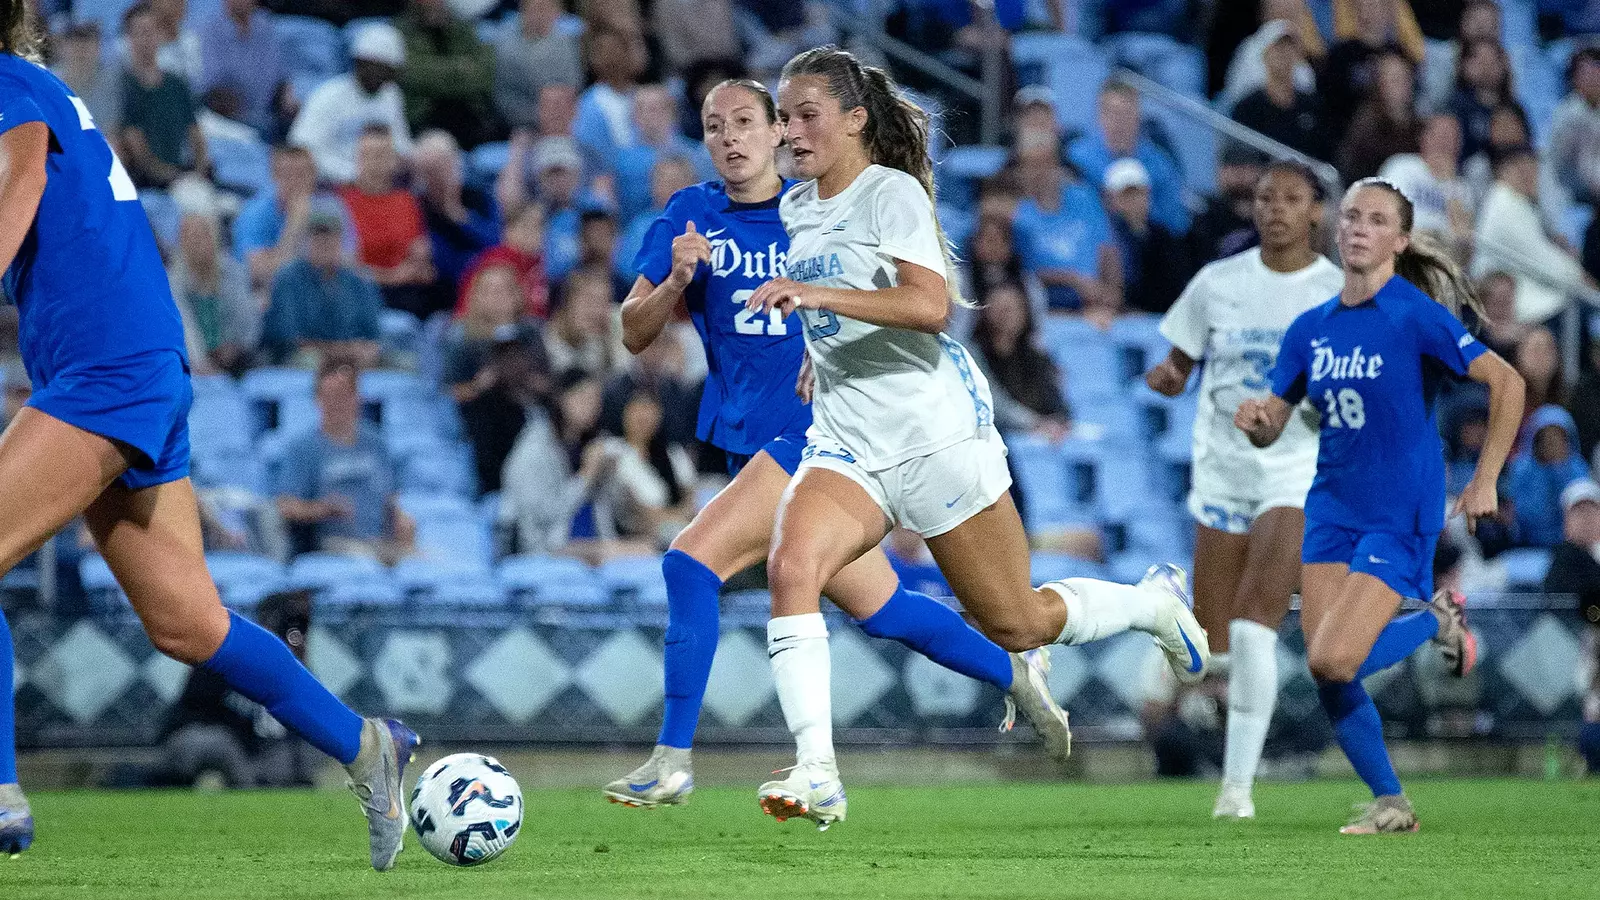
(134, 11)
(18, 34)
(1503, 89)
(1424, 262)
(590, 216)
(1319, 191)
(1500, 156)
(376, 129)
(1589, 54)
(768, 105)
(333, 364)
(897, 129)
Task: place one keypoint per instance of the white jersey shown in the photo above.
(1233, 316)
(884, 395)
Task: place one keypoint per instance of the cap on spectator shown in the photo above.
(1034, 95)
(1126, 173)
(324, 215)
(381, 43)
(1579, 491)
(556, 153)
(1277, 30)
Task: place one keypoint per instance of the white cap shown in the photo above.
(1579, 491)
(381, 43)
(1034, 94)
(1275, 30)
(1126, 173)
(556, 152)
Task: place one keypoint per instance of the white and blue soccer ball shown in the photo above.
(466, 809)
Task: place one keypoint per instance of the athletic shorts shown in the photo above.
(785, 450)
(1404, 562)
(1235, 515)
(140, 401)
(930, 494)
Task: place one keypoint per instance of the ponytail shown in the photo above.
(1424, 262)
(18, 35)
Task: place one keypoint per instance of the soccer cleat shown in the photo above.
(1180, 636)
(665, 779)
(811, 791)
(1234, 803)
(1030, 694)
(16, 820)
(1457, 644)
(376, 777)
(1390, 814)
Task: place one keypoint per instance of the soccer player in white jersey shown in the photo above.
(1248, 503)
(903, 430)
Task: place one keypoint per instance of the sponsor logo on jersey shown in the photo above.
(1327, 364)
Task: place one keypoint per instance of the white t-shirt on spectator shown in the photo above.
(1512, 238)
(330, 123)
(1430, 196)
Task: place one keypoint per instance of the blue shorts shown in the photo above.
(785, 450)
(1404, 562)
(139, 401)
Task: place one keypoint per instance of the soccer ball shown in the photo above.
(466, 809)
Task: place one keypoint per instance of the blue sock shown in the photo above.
(254, 662)
(691, 644)
(1589, 746)
(8, 708)
(939, 633)
(1398, 640)
(1360, 733)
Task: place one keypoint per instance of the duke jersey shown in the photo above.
(1375, 369)
(1232, 316)
(884, 395)
(88, 280)
(753, 359)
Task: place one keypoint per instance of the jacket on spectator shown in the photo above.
(1535, 487)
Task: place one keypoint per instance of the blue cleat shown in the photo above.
(376, 778)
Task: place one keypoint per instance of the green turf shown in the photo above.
(1492, 839)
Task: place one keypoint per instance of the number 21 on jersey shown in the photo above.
(753, 321)
(121, 185)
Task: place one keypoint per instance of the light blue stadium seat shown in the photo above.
(219, 419)
(242, 166)
(244, 578)
(1042, 475)
(1129, 566)
(962, 168)
(236, 469)
(345, 594)
(310, 46)
(635, 577)
(419, 504)
(430, 466)
(478, 594)
(281, 399)
(1138, 339)
(455, 535)
(105, 594)
(1526, 567)
(1124, 486)
(1070, 66)
(1087, 358)
(553, 581)
(485, 161)
(317, 571)
(108, 13)
(415, 574)
(1047, 566)
(399, 332)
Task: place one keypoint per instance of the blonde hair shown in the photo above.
(19, 35)
(1425, 262)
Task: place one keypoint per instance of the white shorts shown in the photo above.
(1235, 515)
(931, 494)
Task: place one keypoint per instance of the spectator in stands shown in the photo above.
(1120, 136)
(390, 233)
(1224, 225)
(604, 122)
(271, 228)
(1465, 427)
(597, 249)
(1572, 161)
(1479, 21)
(221, 318)
(462, 221)
(1361, 29)
(1546, 462)
(661, 369)
(1499, 330)
(651, 490)
(1386, 123)
(558, 110)
(1584, 402)
(558, 172)
(330, 123)
(696, 31)
(78, 62)
(1155, 262)
(180, 51)
(1247, 71)
(522, 250)
(241, 53)
(448, 80)
(1431, 177)
(1508, 130)
(320, 305)
(1575, 569)
(1538, 361)
(340, 480)
(991, 258)
(1062, 232)
(1279, 109)
(1024, 381)
(1512, 237)
(776, 30)
(159, 138)
(1483, 82)
(533, 51)
(670, 174)
(584, 332)
(655, 120)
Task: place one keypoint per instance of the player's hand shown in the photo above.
(1480, 500)
(1165, 379)
(806, 382)
(783, 295)
(689, 250)
(1253, 417)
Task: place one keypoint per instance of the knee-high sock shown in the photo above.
(1099, 609)
(256, 664)
(797, 647)
(691, 644)
(1252, 694)
(939, 633)
(1398, 640)
(1360, 734)
(8, 707)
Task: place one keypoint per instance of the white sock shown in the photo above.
(797, 647)
(1099, 609)
(1219, 665)
(1252, 694)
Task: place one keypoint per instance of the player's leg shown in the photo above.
(1270, 574)
(150, 537)
(1219, 562)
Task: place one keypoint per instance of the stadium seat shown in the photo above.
(105, 594)
(1525, 567)
(1087, 358)
(244, 167)
(635, 578)
(216, 415)
(426, 575)
(1070, 66)
(281, 399)
(345, 595)
(435, 467)
(310, 46)
(318, 571)
(1056, 486)
(1139, 341)
(399, 332)
(1047, 566)
(244, 578)
(107, 13)
(162, 211)
(552, 581)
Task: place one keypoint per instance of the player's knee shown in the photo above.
(182, 645)
(1333, 663)
(794, 569)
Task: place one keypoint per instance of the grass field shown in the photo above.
(1492, 839)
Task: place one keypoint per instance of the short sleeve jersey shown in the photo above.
(752, 359)
(885, 394)
(1374, 370)
(88, 280)
(1232, 316)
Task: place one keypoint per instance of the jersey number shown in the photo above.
(749, 321)
(1261, 361)
(1345, 410)
(826, 324)
(121, 185)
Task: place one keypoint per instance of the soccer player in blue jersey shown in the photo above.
(105, 433)
(712, 247)
(1372, 360)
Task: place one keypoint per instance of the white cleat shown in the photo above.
(810, 791)
(1030, 695)
(666, 779)
(1179, 635)
(1234, 803)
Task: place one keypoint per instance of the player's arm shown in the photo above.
(23, 151)
(1262, 419)
(920, 302)
(649, 306)
(1169, 376)
(1480, 498)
